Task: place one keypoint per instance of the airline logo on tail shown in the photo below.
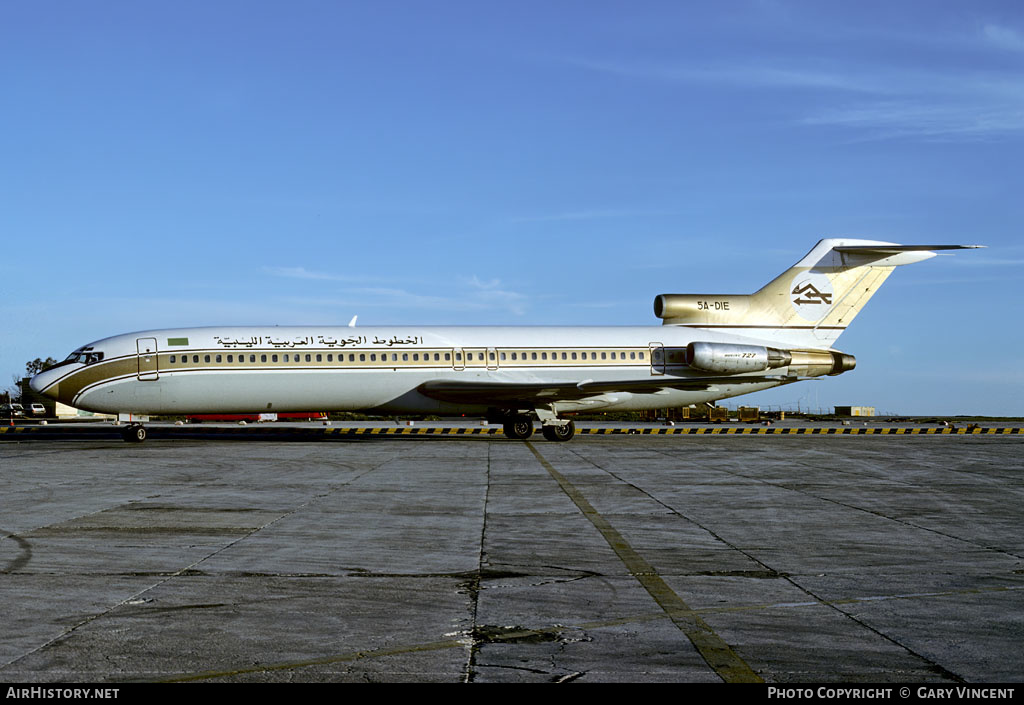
(812, 295)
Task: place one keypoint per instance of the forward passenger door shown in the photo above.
(149, 369)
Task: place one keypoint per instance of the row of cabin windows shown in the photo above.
(571, 356)
(407, 357)
(363, 357)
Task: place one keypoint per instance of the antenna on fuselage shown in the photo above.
(352, 323)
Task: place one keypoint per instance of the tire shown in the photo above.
(134, 434)
(519, 428)
(561, 433)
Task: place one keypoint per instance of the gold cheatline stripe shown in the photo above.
(725, 662)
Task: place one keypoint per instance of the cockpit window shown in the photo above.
(85, 355)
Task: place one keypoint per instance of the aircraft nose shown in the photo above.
(43, 383)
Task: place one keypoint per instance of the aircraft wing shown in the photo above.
(527, 393)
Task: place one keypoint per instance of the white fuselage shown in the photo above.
(314, 368)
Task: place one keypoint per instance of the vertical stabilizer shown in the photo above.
(810, 304)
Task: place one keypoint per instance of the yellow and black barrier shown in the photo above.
(797, 431)
(313, 433)
(691, 431)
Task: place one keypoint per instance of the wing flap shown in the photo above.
(489, 392)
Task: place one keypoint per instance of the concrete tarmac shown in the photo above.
(782, 559)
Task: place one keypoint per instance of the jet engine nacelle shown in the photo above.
(731, 359)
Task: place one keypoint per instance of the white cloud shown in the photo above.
(869, 95)
(491, 294)
(742, 76)
(935, 119)
(463, 294)
(595, 214)
(1003, 37)
(303, 273)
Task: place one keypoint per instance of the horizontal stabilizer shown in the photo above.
(895, 249)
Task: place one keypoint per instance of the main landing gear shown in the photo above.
(135, 433)
(556, 432)
(520, 427)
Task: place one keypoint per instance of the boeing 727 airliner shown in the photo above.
(708, 347)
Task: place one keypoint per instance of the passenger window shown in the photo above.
(319, 357)
(330, 357)
(171, 359)
(195, 358)
(405, 357)
(362, 357)
(218, 358)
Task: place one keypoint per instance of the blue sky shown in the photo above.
(198, 163)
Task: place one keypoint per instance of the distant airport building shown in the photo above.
(855, 411)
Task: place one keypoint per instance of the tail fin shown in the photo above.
(808, 305)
